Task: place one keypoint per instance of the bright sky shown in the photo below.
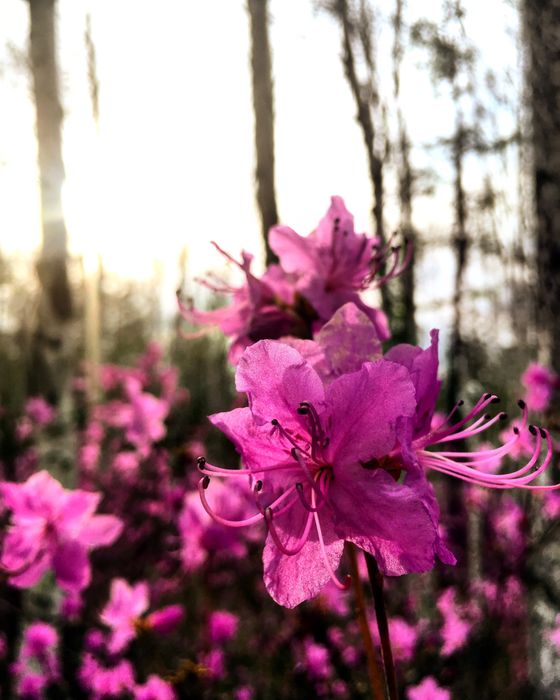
(172, 163)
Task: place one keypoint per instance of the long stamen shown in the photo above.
(211, 470)
(341, 585)
(303, 499)
(519, 478)
(268, 515)
(203, 485)
(484, 401)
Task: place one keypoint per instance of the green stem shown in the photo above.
(376, 581)
(374, 672)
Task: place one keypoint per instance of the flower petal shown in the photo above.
(277, 379)
(384, 518)
(71, 566)
(292, 579)
(365, 407)
(423, 368)
(101, 530)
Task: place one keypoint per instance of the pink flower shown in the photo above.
(316, 659)
(126, 604)
(37, 665)
(428, 690)
(166, 619)
(201, 535)
(403, 638)
(554, 635)
(540, 384)
(334, 264)
(105, 681)
(222, 626)
(154, 689)
(214, 664)
(40, 412)
(261, 307)
(318, 459)
(53, 527)
(456, 628)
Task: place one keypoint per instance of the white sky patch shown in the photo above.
(172, 162)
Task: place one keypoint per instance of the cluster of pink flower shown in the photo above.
(128, 578)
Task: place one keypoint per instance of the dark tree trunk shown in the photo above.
(48, 355)
(366, 98)
(457, 360)
(541, 23)
(405, 330)
(263, 106)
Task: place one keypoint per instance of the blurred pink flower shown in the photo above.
(540, 384)
(125, 606)
(333, 264)
(53, 527)
(428, 690)
(166, 619)
(106, 681)
(316, 659)
(456, 627)
(222, 626)
(154, 689)
(39, 411)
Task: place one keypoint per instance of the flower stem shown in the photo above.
(376, 581)
(374, 672)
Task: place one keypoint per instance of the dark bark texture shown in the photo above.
(263, 106)
(48, 352)
(541, 24)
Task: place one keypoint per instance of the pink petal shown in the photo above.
(385, 518)
(292, 579)
(277, 379)
(296, 253)
(365, 408)
(101, 530)
(71, 566)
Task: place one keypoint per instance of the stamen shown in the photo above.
(306, 505)
(268, 515)
(341, 585)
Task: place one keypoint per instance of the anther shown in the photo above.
(460, 402)
(496, 399)
(294, 452)
(205, 482)
(532, 430)
(516, 430)
(486, 396)
(503, 416)
(303, 410)
(487, 416)
(200, 461)
(522, 405)
(274, 421)
(543, 433)
(268, 512)
(258, 485)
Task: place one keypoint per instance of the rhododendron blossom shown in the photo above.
(344, 458)
(334, 263)
(52, 527)
(260, 308)
(540, 383)
(124, 613)
(314, 454)
(315, 276)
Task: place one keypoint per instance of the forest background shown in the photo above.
(134, 133)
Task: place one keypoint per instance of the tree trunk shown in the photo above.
(48, 361)
(263, 106)
(405, 331)
(541, 23)
(366, 98)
